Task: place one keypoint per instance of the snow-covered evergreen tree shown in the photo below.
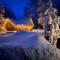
(38, 8)
(52, 24)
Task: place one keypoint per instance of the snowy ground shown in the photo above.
(33, 47)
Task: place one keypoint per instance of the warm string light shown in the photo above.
(11, 26)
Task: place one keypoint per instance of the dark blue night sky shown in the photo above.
(17, 6)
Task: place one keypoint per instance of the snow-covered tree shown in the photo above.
(38, 8)
(51, 22)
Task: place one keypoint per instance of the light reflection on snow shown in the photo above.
(8, 33)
